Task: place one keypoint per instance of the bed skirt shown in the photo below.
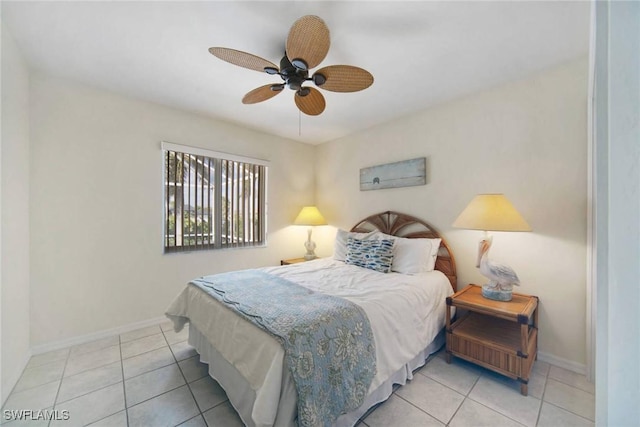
(242, 396)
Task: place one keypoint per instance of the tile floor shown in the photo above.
(152, 377)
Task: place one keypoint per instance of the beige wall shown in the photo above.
(96, 207)
(528, 140)
(14, 229)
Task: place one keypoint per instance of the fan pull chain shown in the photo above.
(299, 123)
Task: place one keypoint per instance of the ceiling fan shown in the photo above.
(307, 45)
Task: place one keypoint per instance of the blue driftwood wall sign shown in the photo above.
(407, 173)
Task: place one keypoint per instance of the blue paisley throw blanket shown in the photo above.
(327, 340)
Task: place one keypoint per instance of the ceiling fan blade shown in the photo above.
(311, 104)
(343, 78)
(242, 59)
(308, 41)
(260, 94)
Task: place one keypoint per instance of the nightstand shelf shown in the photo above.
(291, 261)
(498, 335)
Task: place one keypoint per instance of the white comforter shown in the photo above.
(405, 312)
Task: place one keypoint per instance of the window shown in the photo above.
(212, 200)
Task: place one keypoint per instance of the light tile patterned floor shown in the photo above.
(152, 377)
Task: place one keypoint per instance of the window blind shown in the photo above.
(212, 200)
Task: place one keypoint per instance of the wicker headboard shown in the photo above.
(401, 225)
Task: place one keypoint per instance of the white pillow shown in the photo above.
(412, 256)
(435, 248)
(340, 245)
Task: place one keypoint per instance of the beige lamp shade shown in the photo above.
(310, 215)
(491, 212)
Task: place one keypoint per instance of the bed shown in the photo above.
(406, 313)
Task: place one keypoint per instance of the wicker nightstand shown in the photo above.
(292, 261)
(498, 335)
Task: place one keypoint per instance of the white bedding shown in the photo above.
(406, 313)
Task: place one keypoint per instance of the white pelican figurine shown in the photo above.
(501, 277)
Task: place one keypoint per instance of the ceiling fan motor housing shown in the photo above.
(294, 77)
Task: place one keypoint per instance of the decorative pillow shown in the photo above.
(372, 254)
(340, 245)
(412, 256)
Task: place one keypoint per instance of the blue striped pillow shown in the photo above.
(372, 254)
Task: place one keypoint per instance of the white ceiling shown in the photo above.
(420, 53)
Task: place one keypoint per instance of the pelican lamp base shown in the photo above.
(497, 294)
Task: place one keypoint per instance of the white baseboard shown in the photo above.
(560, 362)
(15, 376)
(57, 345)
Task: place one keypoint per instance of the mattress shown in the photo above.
(406, 313)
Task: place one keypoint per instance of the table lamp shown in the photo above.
(311, 216)
(493, 212)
